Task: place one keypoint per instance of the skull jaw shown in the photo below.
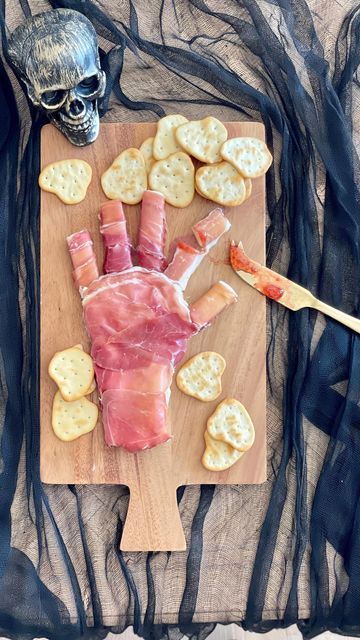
(78, 133)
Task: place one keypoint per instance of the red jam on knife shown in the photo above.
(272, 291)
(240, 262)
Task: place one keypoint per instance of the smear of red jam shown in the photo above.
(225, 261)
(240, 261)
(272, 291)
(202, 237)
(186, 247)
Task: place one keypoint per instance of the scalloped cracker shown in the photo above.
(249, 156)
(126, 178)
(70, 420)
(165, 142)
(68, 179)
(248, 188)
(200, 377)
(73, 372)
(92, 388)
(231, 423)
(218, 455)
(221, 183)
(146, 149)
(202, 138)
(174, 178)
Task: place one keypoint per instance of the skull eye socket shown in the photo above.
(88, 86)
(53, 99)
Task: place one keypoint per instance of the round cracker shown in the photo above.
(70, 420)
(219, 456)
(221, 183)
(126, 178)
(73, 371)
(146, 148)
(200, 377)
(232, 424)
(174, 178)
(165, 142)
(202, 138)
(68, 179)
(249, 156)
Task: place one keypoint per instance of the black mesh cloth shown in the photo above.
(262, 556)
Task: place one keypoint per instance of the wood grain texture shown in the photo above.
(153, 521)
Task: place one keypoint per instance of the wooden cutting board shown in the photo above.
(153, 521)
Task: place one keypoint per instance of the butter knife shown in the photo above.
(279, 288)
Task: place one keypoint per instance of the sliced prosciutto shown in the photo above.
(185, 261)
(116, 242)
(208, 231)
(139, 324)
(186, 257)
(139, 429)
(81, 251)
(152, 232)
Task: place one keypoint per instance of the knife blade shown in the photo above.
(281, 289)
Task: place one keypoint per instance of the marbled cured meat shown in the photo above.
(186, 257)
(208, 230)
(116, 242)
(152, 232)
(139, 324)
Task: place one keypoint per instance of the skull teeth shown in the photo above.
(86, 123)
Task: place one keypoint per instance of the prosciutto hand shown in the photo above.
(137, 318)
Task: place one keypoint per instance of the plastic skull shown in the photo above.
(56, 55)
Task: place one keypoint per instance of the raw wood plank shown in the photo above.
(153, 521)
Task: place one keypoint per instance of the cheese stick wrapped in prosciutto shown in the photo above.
(186, 257)
(116, 241)
(152, 232)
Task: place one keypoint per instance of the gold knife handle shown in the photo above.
(340, 316)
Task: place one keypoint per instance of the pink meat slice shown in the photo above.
(81, 251)
(152, 231)
(113, 230)
(187, 254)
(139, 325)
(185, 261)
(128, 427)
(131, 297)
(138, 320)
(208, 230)
(164, 337)
(154, 377)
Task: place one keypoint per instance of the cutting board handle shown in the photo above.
(153, 519)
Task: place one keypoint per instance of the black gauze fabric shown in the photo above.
(284, 552)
